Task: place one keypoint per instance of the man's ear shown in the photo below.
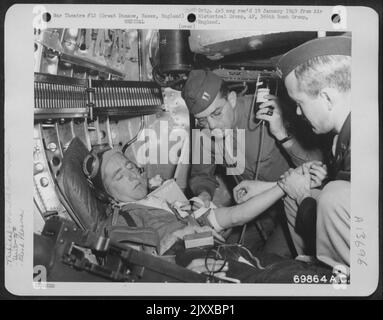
(232, 98)
(329, 96)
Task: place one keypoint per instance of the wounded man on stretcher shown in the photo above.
(162, 223)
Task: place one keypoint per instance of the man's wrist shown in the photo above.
(283, 139)
(281, 134)
(279, 190)
(209, 219)
(281, 187)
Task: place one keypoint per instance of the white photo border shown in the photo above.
(18, 117)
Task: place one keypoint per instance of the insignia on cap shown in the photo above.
(205, 96)
(200, 89)
(278, 71)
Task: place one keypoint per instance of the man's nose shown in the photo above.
(212, 124)
(299, 111)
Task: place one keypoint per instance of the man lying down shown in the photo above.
(119, 181)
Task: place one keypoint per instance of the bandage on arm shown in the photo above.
(208, 218)
(213, 221)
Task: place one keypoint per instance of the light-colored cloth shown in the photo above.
(333, 223)
(153, 212)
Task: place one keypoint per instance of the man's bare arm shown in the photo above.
(240, 214)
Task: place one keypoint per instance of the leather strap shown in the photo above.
(141, 236)
(282, 141)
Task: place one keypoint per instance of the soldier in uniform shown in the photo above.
(317, 76)
(218, 109)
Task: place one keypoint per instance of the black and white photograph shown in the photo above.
(209, 157)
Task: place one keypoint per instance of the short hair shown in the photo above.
(332, 71)
(224, 90)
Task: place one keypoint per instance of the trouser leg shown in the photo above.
(291, 209)
(278, 241)
(333, 224)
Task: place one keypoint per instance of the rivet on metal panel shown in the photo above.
(44, 182)
(52, 146)
(39, 166)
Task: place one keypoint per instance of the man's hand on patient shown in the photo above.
(296, 183)
(250, 188)
(318, 172)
